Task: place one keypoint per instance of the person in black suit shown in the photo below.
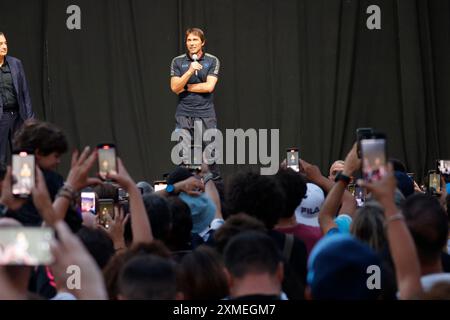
(15, 102)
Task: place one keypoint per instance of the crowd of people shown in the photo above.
(290, 236)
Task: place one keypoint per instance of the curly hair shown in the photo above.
(256, 195)
(42, 136)
(294, 186)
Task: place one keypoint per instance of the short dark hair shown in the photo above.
(256, 195)
(252, 252)
(98, 243)
(148, 277)
(159, 215)
(42, 136)
(234, 225)
(201, 275)
(294, 187)
(180, 232)
(112, 270)
(196, 31)
(398, 165)
(428, 224)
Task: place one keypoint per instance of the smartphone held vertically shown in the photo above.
(358, 193)
(105, 212)
(362, 133)
(26, 246)
(374, 159)
(107, 161)
(360, 196)
(88, 202)
(292, 159)
(23, 171)
(434, 182)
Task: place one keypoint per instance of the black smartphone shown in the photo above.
(23, 171)
(88, 202)
(159, 185)
(107, 161)
(292, 159)
(26, 246)
(105, 212)
(434, 182)
(362, 133)
(374, 160)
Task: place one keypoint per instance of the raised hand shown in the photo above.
(70, 252)
(116, 228)
(78, 177)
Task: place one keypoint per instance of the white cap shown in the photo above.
(308, 211)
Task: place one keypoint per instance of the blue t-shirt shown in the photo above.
(192, 104)
(343, 222)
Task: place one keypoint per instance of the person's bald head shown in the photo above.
(335, 168)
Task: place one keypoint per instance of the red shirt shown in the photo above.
(308, 234)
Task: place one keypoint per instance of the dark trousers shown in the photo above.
(8, 125)
(189, 123)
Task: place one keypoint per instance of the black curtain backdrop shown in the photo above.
(310, 68)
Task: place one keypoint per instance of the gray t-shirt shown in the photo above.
(192, 104)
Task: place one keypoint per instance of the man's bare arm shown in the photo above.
(204, 87)
(177, 84)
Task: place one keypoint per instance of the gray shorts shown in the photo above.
(187, 123)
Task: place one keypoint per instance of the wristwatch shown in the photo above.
(170, 189)
(3, 210)
(342, 177)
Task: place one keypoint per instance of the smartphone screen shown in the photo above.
(106, 160)
(362, 133)
(122, 195)
(434, 182)
(23, 170)
(105, 212)
(160, 185)
(292, 159)
(26, 246)
(351, 188)
(373, 153)
(88, 202)
(359, 196)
